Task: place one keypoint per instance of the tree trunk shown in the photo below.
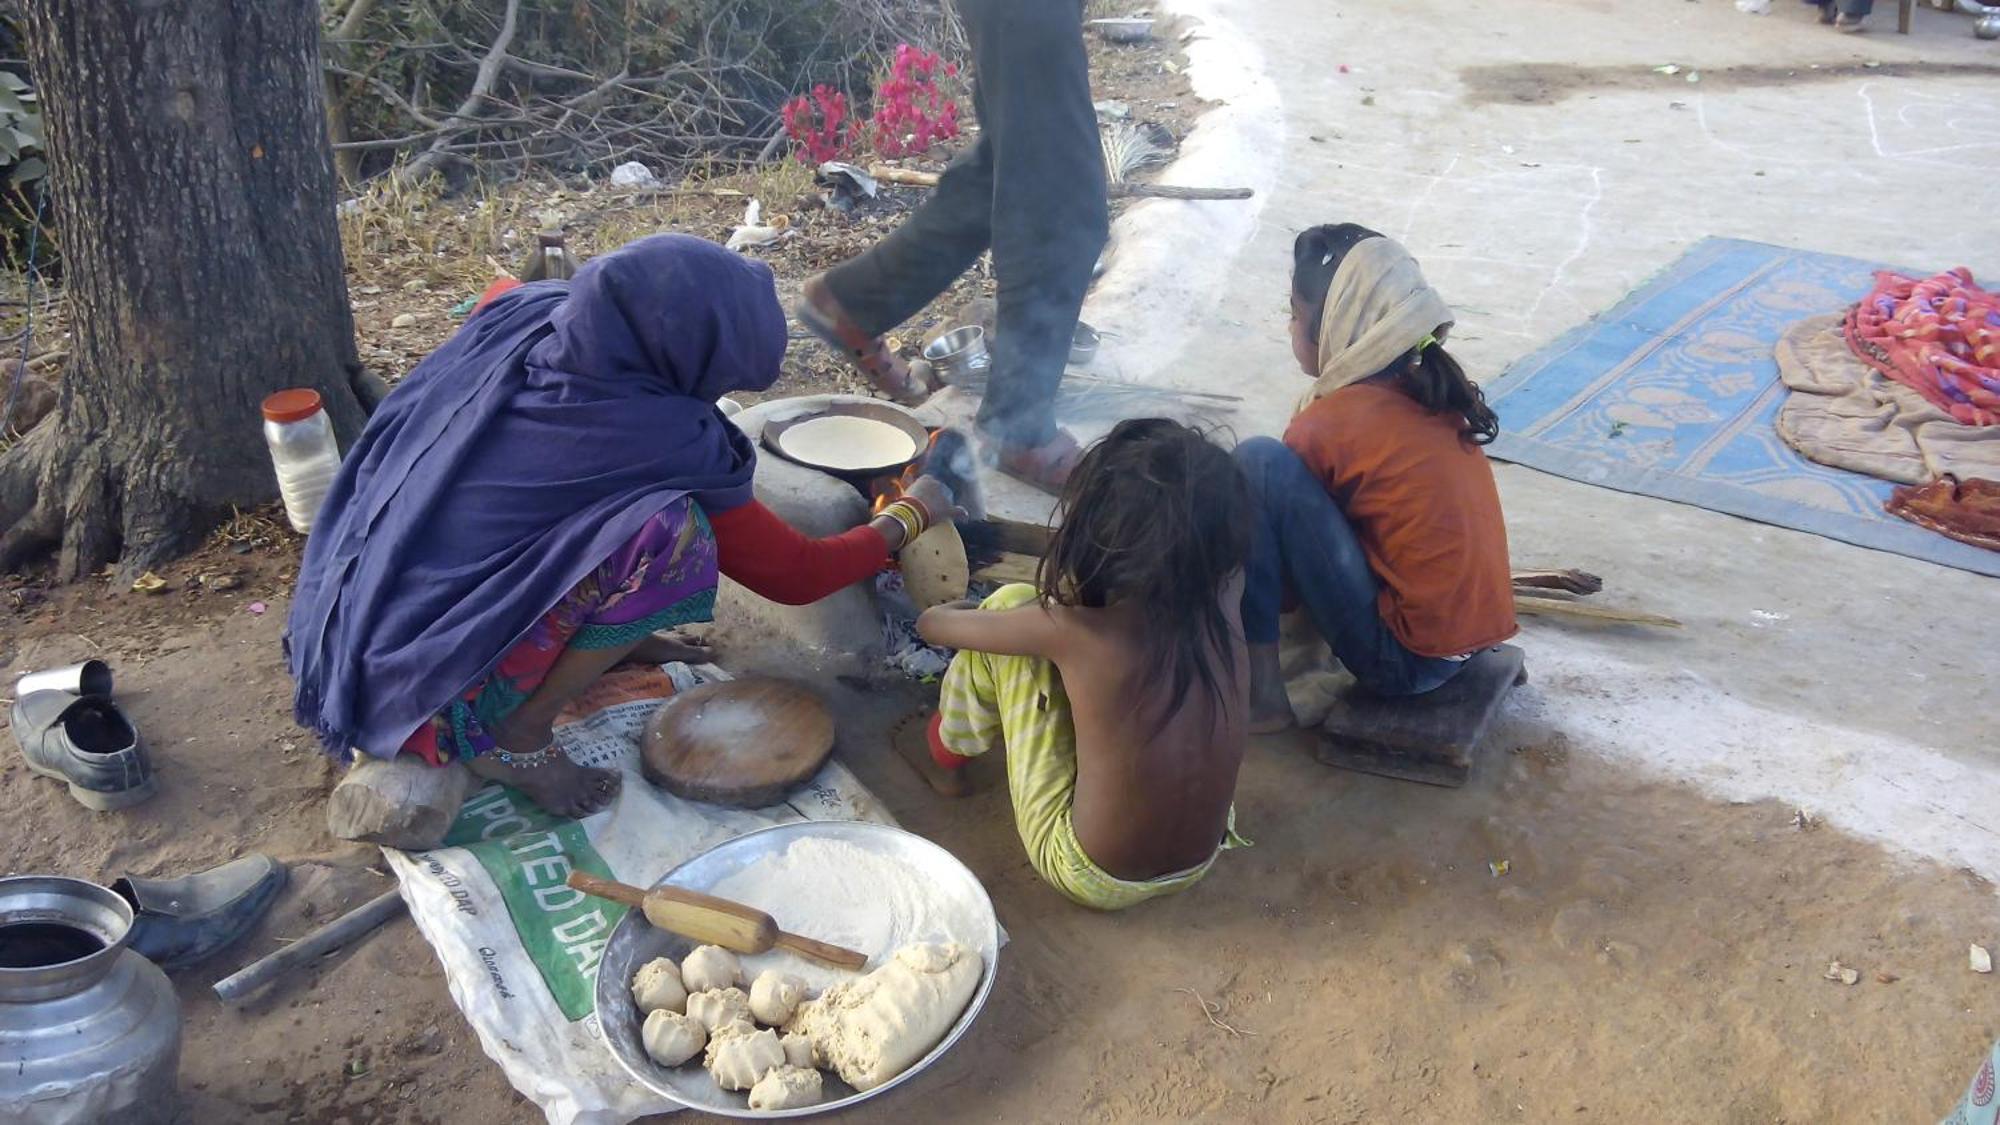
(194, 201)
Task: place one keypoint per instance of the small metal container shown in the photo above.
(960, 358)
(1131, 30)
(1083, 348)
(92, 677)
(1988, 25)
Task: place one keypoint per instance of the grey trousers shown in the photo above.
(1855, 8)
(1031, 190)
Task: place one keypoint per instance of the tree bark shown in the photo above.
(194, 199)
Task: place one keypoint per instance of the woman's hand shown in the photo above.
(936, 498)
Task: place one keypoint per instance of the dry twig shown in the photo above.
(1213, 1011)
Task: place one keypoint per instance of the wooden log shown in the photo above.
(1011, 566)
(1570, 581)
(907, 177)
(1556, 607)
(1120, 190)
(1171, 191)
(993, 533)
(401, 803)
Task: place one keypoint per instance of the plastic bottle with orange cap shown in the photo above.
(303, 452)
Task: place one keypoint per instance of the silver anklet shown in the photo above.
(531, 761)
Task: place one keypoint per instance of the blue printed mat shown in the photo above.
(1673, 394)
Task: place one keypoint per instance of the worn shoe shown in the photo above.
(89, 743)
(1850, 24)
(180, 922)
(1827, 13)
(823, 317)
(1046, 466)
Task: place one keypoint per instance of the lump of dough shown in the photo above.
(798, 1049)
(739, 1057)
(657, 986)
(718, 1008)
(787, 1087)
(710, 966)
(774, 996)
(672, 1038)
(869, 1030)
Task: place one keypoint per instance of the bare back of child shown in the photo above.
(1137, 727)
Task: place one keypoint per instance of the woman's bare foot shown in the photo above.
(548, 776)
(671, 648)
(1270, 710)
(912, 742)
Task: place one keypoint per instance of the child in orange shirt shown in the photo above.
(1378, 509)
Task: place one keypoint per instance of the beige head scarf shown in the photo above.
(1378, 307)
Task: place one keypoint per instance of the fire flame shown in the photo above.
(888, 490)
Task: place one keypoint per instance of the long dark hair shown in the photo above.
(1428, 373)
(1157, 514)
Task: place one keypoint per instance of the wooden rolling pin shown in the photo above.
(715, 921)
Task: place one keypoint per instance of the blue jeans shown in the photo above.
(1854, 8)
(1301, 538)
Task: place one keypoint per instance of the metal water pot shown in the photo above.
(89, 1030)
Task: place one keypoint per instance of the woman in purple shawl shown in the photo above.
(533, 505)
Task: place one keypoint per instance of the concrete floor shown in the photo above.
(1846, 680)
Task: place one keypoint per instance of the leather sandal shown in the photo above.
(87, 741)
(888, 372)
(1046, 466)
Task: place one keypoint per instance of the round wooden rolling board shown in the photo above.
(935, 569)
(738, 743)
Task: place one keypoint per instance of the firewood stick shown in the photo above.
(1556, 607)
(1569, 581)
(1128, 190)
(1119, 190)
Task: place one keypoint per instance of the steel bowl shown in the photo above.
(1988, 25)
(634, 941)
(1127, 30)
(959, 356)
(1083, 348)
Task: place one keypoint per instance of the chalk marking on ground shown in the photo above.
(1675, 723)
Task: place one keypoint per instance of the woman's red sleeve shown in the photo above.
(500, 285)
(769, 556)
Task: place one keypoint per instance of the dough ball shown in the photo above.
(718, 1008)
(787, 1087)
(739, 1058)
(672, 1038)
(657, 987)
(870, 1029)
(774, 996)
(798, 1049)
(710, 966)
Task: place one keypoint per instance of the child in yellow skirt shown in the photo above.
(1119, 691)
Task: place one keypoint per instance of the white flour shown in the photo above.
(841, 893)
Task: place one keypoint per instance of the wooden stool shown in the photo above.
(1430, 737)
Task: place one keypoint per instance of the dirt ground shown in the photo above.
(1647, 954)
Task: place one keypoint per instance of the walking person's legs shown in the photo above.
(1050, 217)
(1032, 189)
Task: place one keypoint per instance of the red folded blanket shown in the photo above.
(1939, 336)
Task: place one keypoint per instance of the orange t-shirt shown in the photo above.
(1423, 503)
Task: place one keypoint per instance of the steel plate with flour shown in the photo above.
(867, 886)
